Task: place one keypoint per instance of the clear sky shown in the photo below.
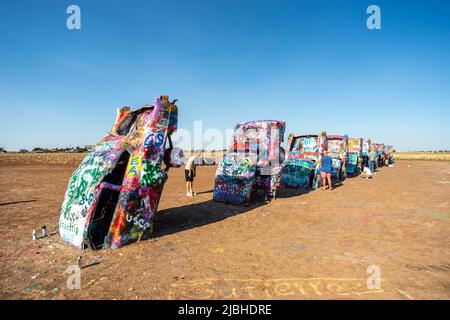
(314, 64)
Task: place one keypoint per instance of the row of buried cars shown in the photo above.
(257, 162)
(113, 195)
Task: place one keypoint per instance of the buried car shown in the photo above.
(113, 195)
(252, 163)
(366, 145)
(379, 150)
(337, 150)
(354, 155)
(301, 168)
(390, 155)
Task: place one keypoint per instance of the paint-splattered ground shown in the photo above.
(316, 245)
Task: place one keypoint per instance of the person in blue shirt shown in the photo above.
(325, 171)
(372, 158)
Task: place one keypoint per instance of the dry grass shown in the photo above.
(435, 156)
(75, 158)
(69, 158)
(41, 158)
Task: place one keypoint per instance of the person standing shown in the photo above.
(325, 171)
(189, 174)
(364, 162)
(372, 159)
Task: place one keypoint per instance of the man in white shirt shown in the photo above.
(189, 174)
(367, 173)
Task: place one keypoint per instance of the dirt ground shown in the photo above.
(316, 245)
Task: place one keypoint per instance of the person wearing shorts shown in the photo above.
(325, 171)
(189, 174)
(372, 158)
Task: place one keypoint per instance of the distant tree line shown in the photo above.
(79, 149)
(76, 149)
(425, 151)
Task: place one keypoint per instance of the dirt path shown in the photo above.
(316, 245)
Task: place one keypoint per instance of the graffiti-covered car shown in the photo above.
(366, 145)
(337, 150)
(354, 155)
(390, 154)
(252, 162)
(379, 150)
(301, 167)
(113, 195)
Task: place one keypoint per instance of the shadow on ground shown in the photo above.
(16, 202)
(195, 215)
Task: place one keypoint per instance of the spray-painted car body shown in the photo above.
(354, 154)
(301, 167)
(337, 150)
(113, 195)
(252, 163)
(390, 154)
(379, 150)
(366, 145)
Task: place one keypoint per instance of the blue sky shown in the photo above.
(312, 63)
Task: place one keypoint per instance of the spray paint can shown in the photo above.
(79, 261)
(34, 234)
(44, 231)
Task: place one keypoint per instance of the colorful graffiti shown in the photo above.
(234, 179)
(338, 151)
(390, 154)
(354, 157)
(354, 145)
(81, 191)
(252, 163)
(301, 168)
(366, 146)
(353, 164)
(379, 149)
(298, 173)
(113, 195)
